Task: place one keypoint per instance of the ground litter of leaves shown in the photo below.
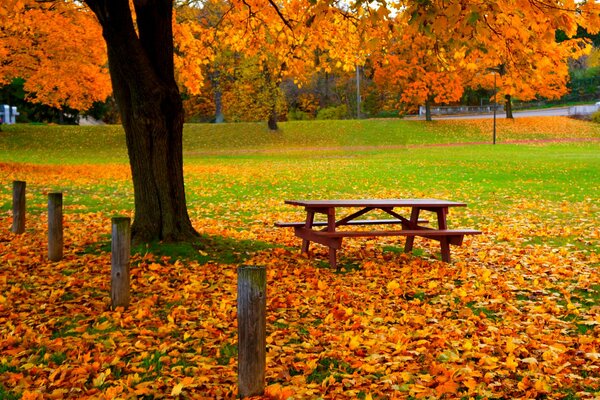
(508, 318)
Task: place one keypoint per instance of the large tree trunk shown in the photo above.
(508, 106)
(142, 73)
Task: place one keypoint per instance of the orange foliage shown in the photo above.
(58, 49)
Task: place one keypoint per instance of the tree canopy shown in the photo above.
(414, 46)
(57, 49)
(429, 50)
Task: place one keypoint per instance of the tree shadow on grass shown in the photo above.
(206, 249)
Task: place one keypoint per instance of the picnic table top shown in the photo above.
(376, 203)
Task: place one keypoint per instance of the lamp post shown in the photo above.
(495, 70)
(494, 136)
(357, 91)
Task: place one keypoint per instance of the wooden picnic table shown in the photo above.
(412, 226)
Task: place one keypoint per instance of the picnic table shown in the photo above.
(411, 227)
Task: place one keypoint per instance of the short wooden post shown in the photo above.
(120, 249)
(18, 225)
(252, 323)
(55, 226)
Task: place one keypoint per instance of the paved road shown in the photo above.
(546, 112)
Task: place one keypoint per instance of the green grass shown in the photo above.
(106, 144)
(207, 249)
(230, 169)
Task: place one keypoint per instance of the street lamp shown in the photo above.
(358, 91)
(494, 136)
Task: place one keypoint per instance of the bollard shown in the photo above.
(252, 322)
(55, 226)
(18, 225)
(120, 252)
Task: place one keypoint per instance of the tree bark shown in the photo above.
(141, 68)
(508, 106)
(219, 117)
(272, 88)
(19, 207)
(272, 120)
(120, 282)
(428, 110)
(215, 81)
(252, 302)
(55, 226)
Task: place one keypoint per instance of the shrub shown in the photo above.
(298, 115)
(596, 117)
(338, 112)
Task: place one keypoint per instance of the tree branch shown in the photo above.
(281, 16)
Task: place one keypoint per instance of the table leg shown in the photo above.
(331, 228)
(444, 240)
(310, 217)
(333, 259)
(414, 220)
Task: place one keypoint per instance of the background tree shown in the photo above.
(56, 50)
(419, 69)
(203, 59)
(521, 38)
(532, 62)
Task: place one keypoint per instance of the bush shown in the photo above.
(596, 117)
(339, 112)
(298, 115)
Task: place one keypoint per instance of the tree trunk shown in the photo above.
(508, 107)
(272, 121)
(142, 73)
(215, 78)
(272, 87)
(219, 118)
(428, 110)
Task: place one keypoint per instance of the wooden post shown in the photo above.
(55, 226)
(18, 225)
(252, 323)
(120, 248)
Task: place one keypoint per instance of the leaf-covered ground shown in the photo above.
(515, 315)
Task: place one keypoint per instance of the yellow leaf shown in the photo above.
(102, 326)
(177, 389)
(511, 363)
(510, 346)
(354, 342)
(393, 285)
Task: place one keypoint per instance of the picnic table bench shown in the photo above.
(411, 227)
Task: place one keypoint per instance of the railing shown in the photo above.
(451, 110)
(584, 110)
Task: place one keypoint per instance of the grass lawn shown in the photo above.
(514, 315)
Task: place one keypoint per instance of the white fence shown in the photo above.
(450, 110)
